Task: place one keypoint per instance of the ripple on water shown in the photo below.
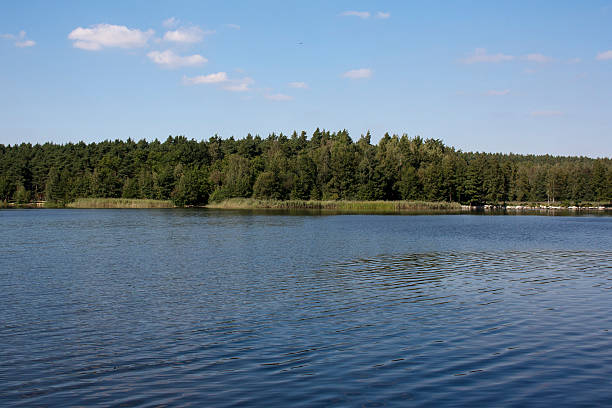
(203, 320)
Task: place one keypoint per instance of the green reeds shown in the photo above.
(119, 203)
(357, 206)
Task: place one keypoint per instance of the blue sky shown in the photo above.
(524, 77)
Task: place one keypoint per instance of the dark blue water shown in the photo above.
(209, 308)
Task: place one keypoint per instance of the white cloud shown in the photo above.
(606, 55)
(234, 26)
(186, 35)
(480, 55)
(358, 73)
(219, 77)
(360, 14)
(107, 35)
(545, 113)
(25, 43)
(170, 22)
(279, 97)
(301, 85)
(383, 15)
(239, 85)
(498, 93)
(539, 58)
(169, 59)
(19, 36)
(20, 39)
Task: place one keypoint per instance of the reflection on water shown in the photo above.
(216, 309)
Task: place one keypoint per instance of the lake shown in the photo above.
(230, 308)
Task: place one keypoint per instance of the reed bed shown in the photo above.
(119, 203)
(373, 206)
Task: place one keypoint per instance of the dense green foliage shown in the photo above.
(328, 166)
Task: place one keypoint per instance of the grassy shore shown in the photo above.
(119, 203)
(373, 206)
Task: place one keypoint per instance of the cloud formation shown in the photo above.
(498, 93)
(300, 85)
(539, 58)
(360, 14)
(221, 78)
(234, 26)
(480, 55)
(170, 22)
(168, 59)
(25, 43)
(278, 97)
(358, 73)
(20, 39)
(239, 85)
(365, 14)
(101, 36)
(602, 56)
(188, 35)
(206, 79)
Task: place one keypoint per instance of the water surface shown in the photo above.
(227, 308)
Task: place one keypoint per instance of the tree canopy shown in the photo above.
(327, 166)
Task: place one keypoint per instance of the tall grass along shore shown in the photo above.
(119, 203)
(373, 206)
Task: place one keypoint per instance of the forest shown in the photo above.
(325, 166)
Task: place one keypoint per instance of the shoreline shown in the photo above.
(390, 206)
(119, 203)
(341, 206)
(538, 207)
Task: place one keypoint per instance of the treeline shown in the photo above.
(326, 166)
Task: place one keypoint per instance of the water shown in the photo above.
(208, 308)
